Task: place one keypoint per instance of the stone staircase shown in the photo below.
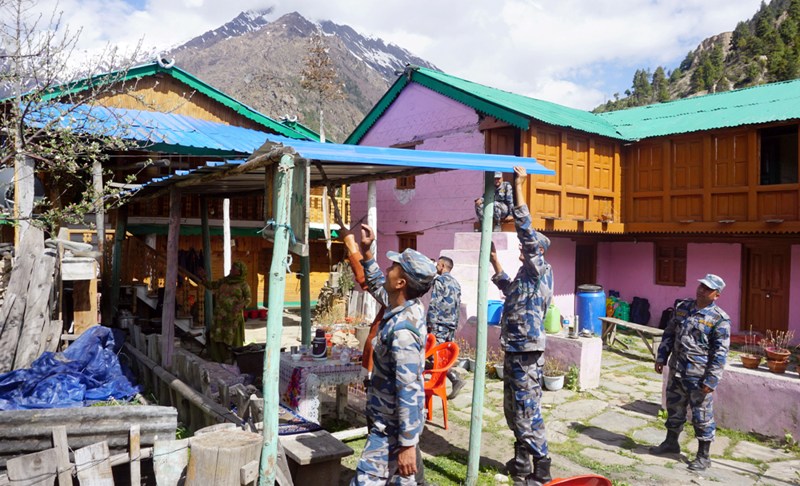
(465, 255)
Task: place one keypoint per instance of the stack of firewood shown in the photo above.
(26, 327)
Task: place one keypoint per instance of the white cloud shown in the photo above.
(573, 52)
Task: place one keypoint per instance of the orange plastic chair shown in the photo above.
(430, 342)
(583, 480)
(444, 356)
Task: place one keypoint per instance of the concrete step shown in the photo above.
(142, 295)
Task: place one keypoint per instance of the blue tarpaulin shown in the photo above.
(88, 371)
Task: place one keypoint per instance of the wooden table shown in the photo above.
(300, 382)
(646, 333)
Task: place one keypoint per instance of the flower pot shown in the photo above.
(777, 366)
(777, 354)
(498, 370)
(554, 383)
(750, 360)
(468, 364)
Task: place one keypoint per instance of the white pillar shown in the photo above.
(371, 305)
(226, 236)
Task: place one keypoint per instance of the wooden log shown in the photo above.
(38, 468)
(170, 458)
(93, 465)
(217, 412)
(218, 457)
(25, 431)
(135, 456)
(61, 446)
(13, 311)
(37, 310)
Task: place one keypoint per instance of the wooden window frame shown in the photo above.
(406, 182)
(407, 240)
(669, 258)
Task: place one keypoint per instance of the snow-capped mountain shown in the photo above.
(260, 62)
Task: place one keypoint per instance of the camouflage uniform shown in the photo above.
(443, 310)
(503, 202)
(696, 342)
(522, 335)
(395, 399)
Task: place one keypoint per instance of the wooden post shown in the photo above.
(476, 424)
(277, 286)
(100, 226)
(171, 279)
(305, 270)
(209, 297)
(116, 258)
(61, 445)
(134, 448)
(226, 237)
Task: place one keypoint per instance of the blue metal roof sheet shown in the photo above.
(165, 132)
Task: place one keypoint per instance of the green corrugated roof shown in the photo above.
(154, 68)
(749, 106)
(301, 129)
(756, 105)
(517, 110)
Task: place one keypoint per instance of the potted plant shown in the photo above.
(494, 362)
(466, 355)
(554, 371)
(777, 345)
(751, 357)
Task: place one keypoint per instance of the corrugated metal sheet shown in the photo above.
(749, 106)
(170, 133)
(342, 164)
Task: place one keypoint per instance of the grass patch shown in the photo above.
(451, 469)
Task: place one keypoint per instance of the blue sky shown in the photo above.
(574, 52)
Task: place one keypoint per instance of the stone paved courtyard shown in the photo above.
(608, 431)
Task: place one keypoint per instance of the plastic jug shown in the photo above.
(552, 320)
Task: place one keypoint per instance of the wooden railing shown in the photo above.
(144, 265)
(315, 209)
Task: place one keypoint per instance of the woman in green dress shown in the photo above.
(231, 296)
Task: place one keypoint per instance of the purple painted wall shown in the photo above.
(442, 203)
(630, 269)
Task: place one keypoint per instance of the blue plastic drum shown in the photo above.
(590, 306)
(495, 312)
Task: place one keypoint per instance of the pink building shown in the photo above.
(629, 210)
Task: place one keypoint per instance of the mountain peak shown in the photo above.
(247, 21)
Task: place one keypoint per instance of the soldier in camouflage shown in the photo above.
(395, 398)
(522, 336)
(443, 313)
(503, 201)
(696, 342)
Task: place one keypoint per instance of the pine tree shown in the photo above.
(660, 85)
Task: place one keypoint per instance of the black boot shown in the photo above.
(669, 446)
(701, 461)
(541, 472)
(457, 382)
(520, 465)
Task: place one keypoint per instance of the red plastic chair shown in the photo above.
(430, 342)
(444, 356)
(584, 480)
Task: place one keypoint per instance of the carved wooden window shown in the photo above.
(779, 155)
(670, 263)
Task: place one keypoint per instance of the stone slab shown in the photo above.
(579, 410)
(617, 422)
(608, 457)
(750, 450)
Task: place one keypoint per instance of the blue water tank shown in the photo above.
(495, 311)
(590, 306)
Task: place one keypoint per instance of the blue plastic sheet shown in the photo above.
(88, 371)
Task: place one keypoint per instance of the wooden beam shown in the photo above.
(209, 296)
(171, 278)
